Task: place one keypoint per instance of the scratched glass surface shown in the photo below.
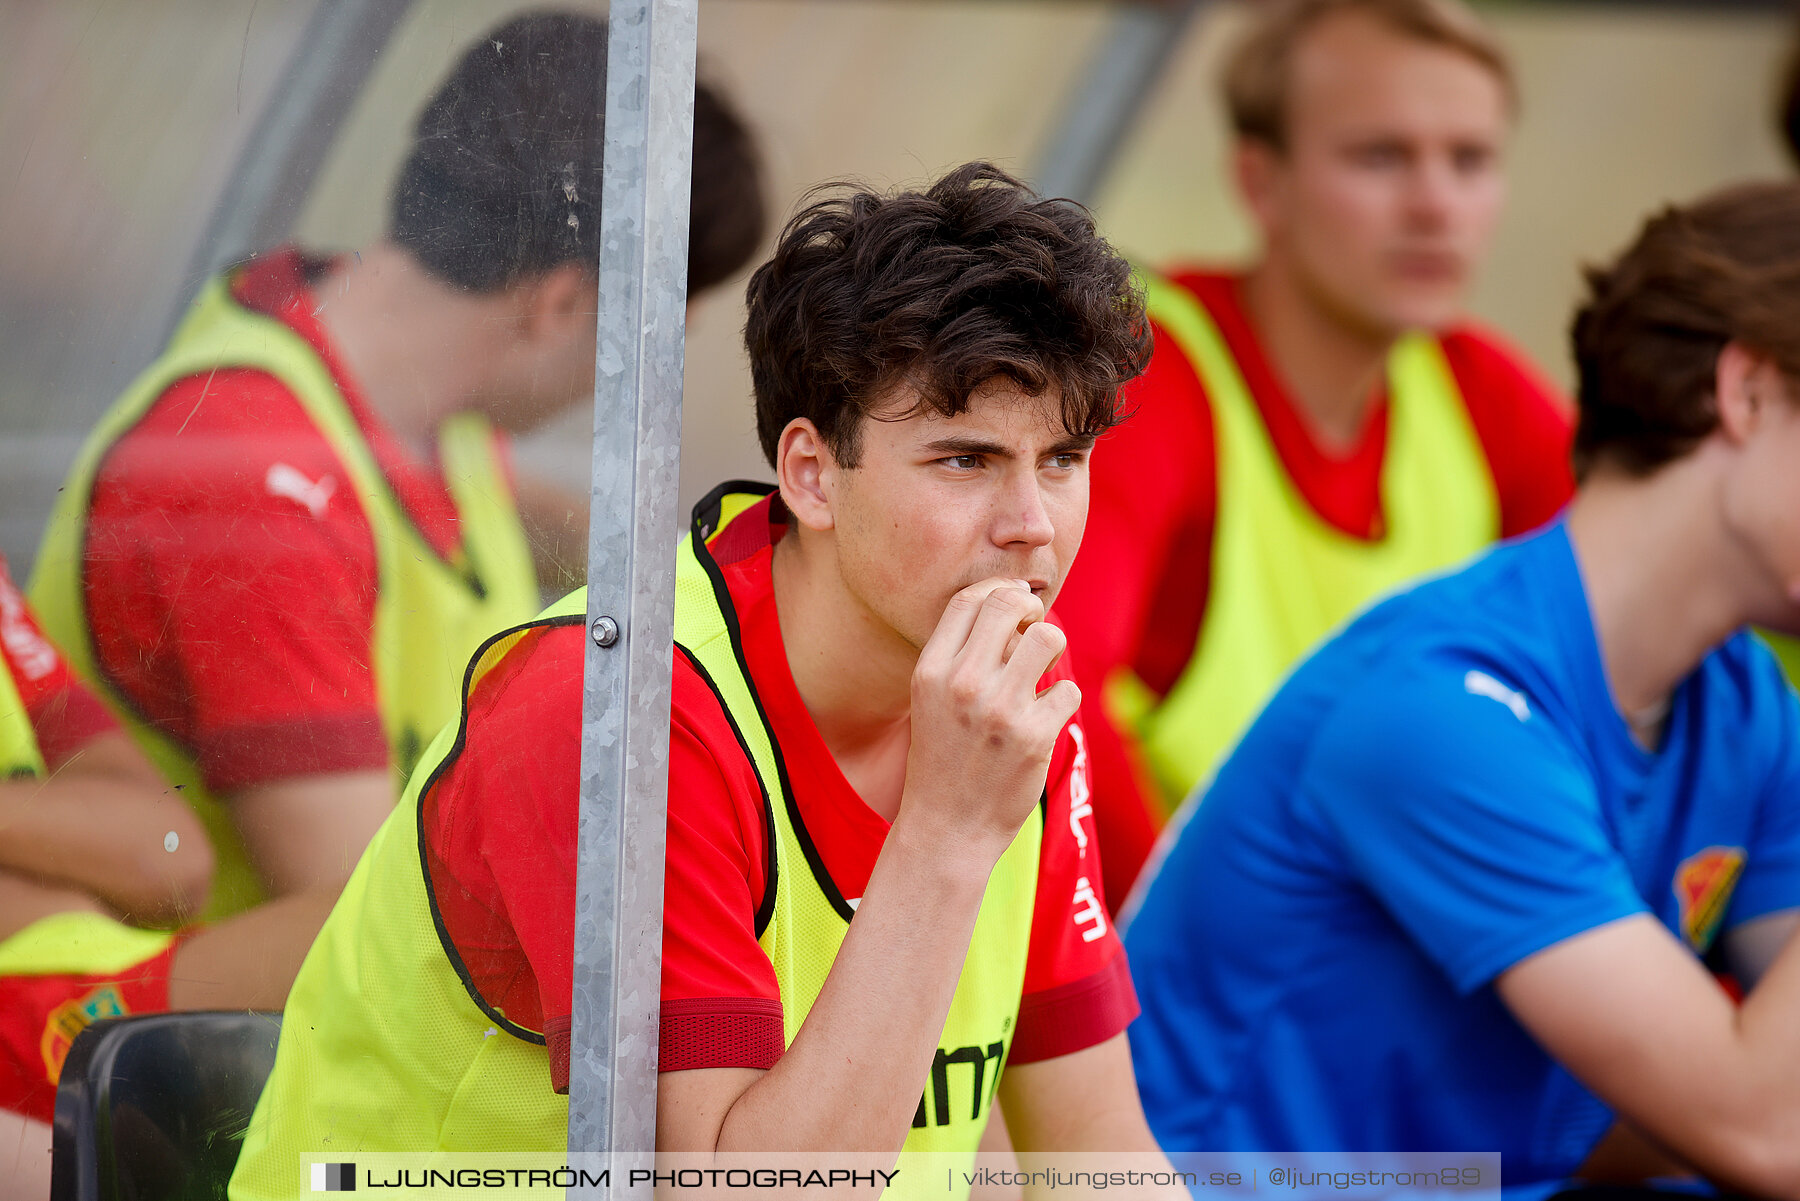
(245, 317)
(125, 128)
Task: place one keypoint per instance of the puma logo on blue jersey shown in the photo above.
(1480, 683)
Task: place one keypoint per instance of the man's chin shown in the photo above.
(1434, 312)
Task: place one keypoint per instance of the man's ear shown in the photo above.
(1744, 384)
(559, 304)
(1258, 168)
(807, 473)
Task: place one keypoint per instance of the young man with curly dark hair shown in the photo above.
(870, 718)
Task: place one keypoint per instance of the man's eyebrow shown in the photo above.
(966, 444)
(970, 444)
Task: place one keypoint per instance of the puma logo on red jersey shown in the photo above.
(312, 495)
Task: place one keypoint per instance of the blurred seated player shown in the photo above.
(1324, 424)
(276, 554)
(869, 719)
(1453, 888)
(97, 857)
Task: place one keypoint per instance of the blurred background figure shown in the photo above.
(277, 548)
(276, 553)
(1325, 424)
(1459, 883)
(101, 838)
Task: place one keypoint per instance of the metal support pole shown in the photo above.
(1099, 111)
(631, 577)
(268, 185)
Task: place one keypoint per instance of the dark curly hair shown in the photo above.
(974, 279)
(1647, 341)
(503, 179)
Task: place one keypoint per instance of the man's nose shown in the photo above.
(1023, 516)
(1431, 191)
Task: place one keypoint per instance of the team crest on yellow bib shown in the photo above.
(1703, 885)
(71, 1018)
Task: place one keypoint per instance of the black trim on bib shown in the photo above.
(765, 908)
(450, 757)
(709, 508)
(707, 511)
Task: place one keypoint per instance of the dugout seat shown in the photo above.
(154, 1108)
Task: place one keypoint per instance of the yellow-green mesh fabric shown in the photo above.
(806, 928)
(1282, 577)
(382, 1046)
(1787, 652)
(19, 753)
(78, 944)
(384, 1049)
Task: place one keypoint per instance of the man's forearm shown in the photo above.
(25, 901)
(980, 738)
(109, 838)
(1632, 1015)
(1104, 1131)
(852, 1078)
(1769, 1042)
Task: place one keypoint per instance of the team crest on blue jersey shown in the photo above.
(1703, 885)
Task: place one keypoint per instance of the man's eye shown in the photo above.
(1469, 160)
(1065, 461)
(962, 462)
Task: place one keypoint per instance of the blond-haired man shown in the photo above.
(1324, 425)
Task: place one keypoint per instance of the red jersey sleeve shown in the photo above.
(1523, 423)
(64, 715)
(1077, 988)
(721, 1005)
(230, 582)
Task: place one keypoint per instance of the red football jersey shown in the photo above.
(230, 573)
(500, 830)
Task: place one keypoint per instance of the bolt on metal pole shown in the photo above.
(631, 581)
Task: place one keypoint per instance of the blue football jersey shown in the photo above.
(1440, 791)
